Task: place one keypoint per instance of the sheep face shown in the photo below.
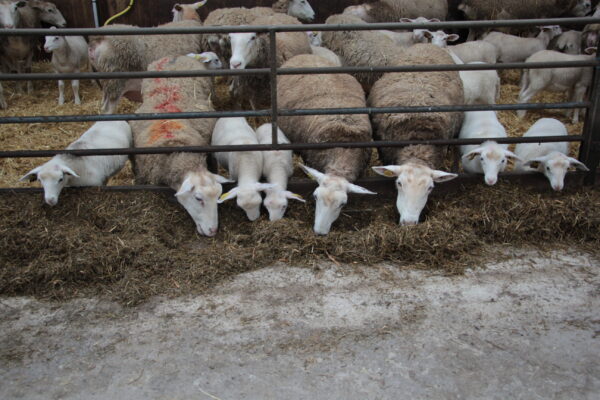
(582, 8)
(330, 198)
(301, 9)
(555, 166)
(490, 159)
(49, 13)
(315, 38)
(276, 202)
(208, 58)
(439, 38)
(414, 183)
(183, 12)
(199, 194)
(53, 42)
(53, 177)
(248, 198)
(244, 49)
(9, 15)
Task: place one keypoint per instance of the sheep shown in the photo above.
(252, 50)
(209, 58)
(65, 170)
(69, 54)
(440, 38)
(327, 54)
(590, 35)
(568, 42)
(197, 189)
(315, 38)
(488, 158)
(134, 53)
(360, 48)
(219, 43)
(519, 9)
(551, 159)
(277, 168)
(415, 167)
(516, 49)
(480, 87)
(393, 10)
(333, 169)
(407, 39)
(244, 166)
(476, 51)
(42, 11)
(574, 80)
(182, 12)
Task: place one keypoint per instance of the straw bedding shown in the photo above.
(130, 246)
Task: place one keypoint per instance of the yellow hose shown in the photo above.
(108, 21)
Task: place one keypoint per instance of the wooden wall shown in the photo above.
(78, 13)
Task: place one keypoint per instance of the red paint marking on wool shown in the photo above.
(171, 96)
(161, 64)
(163, 129)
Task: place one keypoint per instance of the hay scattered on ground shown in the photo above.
(130, 246)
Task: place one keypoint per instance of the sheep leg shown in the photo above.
(75, 86)
(578, 95)
(524, 96)
(61, 92)
(28, 63)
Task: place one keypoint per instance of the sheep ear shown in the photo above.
(512, 156)
(232, 194)
(590, 50)
(390, 171)
(407, 20)
(434, 20)
(427, 34)
(31, 175)
(352, 188)
(200, 3)
(222, 179)
(441, 176)
(185, 187)
(452, 38)
(177, 7)
(313, 173)
(577, 164)
(533, 163)
(68, 171)
(472, 154)
(294, 196)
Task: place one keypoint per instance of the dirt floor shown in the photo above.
(526, 328)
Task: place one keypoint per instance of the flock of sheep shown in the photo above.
(415, 168)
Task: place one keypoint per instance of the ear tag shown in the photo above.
(297, 196)
(223, 196)
(389, 173)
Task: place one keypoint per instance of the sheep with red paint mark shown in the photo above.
(197, 189)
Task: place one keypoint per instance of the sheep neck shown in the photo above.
(248, 172)
(63, 53)
(278, 176)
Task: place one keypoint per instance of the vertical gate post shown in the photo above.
(273, 76)
(589, 152)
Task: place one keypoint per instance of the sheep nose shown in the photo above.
(490, 181)
(212, 231)
(558, 188)
(236, 64)
(51, 201)
(46, 49)
(9, 26)
(408, 222)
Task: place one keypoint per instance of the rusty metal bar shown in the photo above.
(290, 112)
(283, 146)
(299, 28)
(273, 86)
(298, 71)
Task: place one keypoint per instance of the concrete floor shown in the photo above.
(527, 328)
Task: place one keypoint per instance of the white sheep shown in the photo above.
(440, 38)
(209, 58)
(65, 170)
(69, 54)
(277, 168)
(244, 166)
(315, 38)
(574, 80)
(477, 50)
(513, 48)
(481, 87)
(488, 158)
(568, 42)
(407, 39)
(182, 12)
(551, 159)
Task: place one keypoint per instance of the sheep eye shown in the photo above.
(481, 158)
(60, 180)
(315, 196)
(548, 169)
(399, 184)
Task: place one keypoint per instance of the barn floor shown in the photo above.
(526, 328)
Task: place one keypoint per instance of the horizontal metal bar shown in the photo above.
(283, 146)
(381, 186)
(301, 28)
(288, 112)
(298, 71)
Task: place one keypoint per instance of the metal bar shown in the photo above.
(589, 152)
(592, 62)
(300, 28)
(381, 186)
(273, 85)
(288, 112)
(283, 146)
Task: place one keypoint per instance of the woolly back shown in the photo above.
(502, 9)
(360, 48)
(159, 46)
(393, 10)
(127, 52)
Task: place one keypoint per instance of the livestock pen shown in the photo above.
(134, 245)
